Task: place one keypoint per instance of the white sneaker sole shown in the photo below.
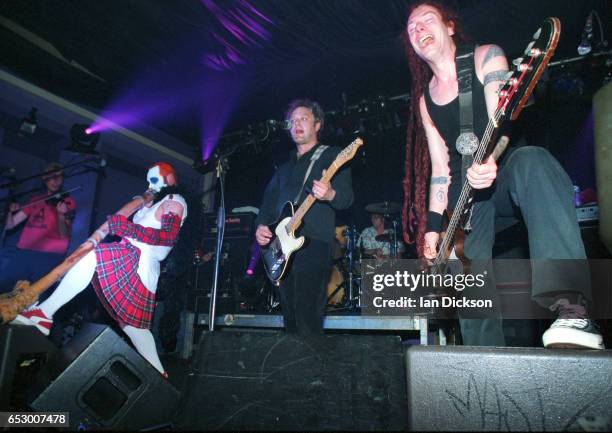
(571, 338)
(21, 320)
(24, 321)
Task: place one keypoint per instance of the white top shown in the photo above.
(151, 255)
(368, 241)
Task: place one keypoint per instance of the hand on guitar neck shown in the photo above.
(323, 190)
(481, 176)
(431, 245)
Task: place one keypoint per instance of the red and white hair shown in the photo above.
(165, 169)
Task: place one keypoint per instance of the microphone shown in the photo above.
(585, 46)
(282, 124)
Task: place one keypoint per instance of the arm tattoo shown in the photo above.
(440, 180)
(494, 51)
(440, 195)
(495, 76)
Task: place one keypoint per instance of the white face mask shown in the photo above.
(155, 179)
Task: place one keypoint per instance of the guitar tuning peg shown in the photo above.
(517, 61)
(537, 34)
(527, 51)
(535, 52)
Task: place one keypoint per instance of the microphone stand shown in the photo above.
(393, 249)
(221, 169)
(11, 186)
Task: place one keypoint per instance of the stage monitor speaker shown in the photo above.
(509, 389)
(104, 384)
(24, 350)
(272, 381)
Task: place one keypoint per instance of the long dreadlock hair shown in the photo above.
(181, 255)
(417, 164)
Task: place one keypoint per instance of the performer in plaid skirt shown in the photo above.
(124, 274)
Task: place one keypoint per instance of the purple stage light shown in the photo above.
(88, 131)
(255, 255)
(174, 91)
(219, 95)
(245, 28)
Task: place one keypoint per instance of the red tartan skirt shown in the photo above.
(119, 287)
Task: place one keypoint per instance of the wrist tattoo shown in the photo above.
(495, 76)
(439, 180)
(494, 51)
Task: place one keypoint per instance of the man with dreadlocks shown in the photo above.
(124, 274)
(530, 179)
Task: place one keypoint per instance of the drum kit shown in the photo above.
(344, 288)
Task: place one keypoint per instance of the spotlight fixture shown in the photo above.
(82, 140)
(28, 123)
(208, 165)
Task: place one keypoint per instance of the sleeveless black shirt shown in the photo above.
(446, 120)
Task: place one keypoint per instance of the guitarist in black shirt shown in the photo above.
(530, 181)
(303, 288)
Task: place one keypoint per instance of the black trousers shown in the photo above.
(303, 291)
(532, 184)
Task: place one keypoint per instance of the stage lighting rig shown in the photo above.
(29, 123)
(83, 140)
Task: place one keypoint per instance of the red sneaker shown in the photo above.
(34, 317)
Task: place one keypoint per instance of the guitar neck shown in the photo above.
(484, 149)
(297, 218)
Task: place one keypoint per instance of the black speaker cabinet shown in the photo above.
(509, 389)
(104, 384)
(271, 381)
(23, 352)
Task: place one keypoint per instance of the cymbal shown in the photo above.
(383, 208)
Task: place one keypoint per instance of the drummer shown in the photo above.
(376, 240)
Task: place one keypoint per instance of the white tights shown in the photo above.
(73, 283)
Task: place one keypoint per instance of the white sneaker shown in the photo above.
(572, 329)
(34, 317)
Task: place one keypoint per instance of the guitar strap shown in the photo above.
(467, 142)
(315, 156)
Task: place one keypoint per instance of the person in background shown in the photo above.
(45, 237)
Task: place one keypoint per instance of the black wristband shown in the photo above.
(434, 222)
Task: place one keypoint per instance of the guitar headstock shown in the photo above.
(348, 152)
(514, 94)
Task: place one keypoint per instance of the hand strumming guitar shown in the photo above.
(263, 235)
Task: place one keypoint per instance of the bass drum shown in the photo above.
(335, 289)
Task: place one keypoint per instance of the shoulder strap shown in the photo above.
(467, 142)
(316, 155)
(463, 63)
